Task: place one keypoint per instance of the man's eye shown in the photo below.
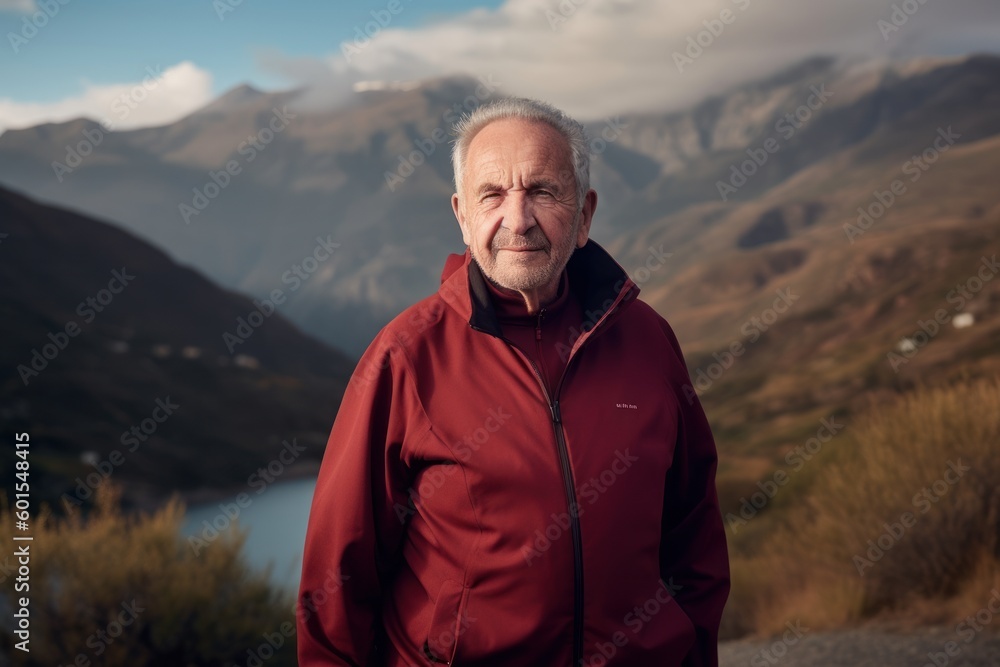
(490, 195)
(544, 193)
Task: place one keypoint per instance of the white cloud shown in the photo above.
(161, 96)
(597, 57)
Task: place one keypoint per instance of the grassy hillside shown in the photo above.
(836, 345)
(816, 342)
(902, 521)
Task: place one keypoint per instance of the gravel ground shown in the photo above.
(865, 648)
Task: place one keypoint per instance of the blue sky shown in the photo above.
(594, 58)
(110, 41)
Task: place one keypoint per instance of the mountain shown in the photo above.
(296, 173)
(119, 362)
(806, 115)
(375, 174)
(739, 217)
(862, 272)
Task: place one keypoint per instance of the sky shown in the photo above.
(61, 59)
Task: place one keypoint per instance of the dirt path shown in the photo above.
(865, 648)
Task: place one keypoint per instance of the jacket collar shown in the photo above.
(510, 306)
(601, 283)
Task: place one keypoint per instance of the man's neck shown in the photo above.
(534, 299)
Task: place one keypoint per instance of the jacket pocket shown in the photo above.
(448, 622)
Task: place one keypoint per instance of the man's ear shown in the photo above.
(456, 208)
(586, 216)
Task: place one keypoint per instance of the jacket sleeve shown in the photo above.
(693, 553)
(356, 523)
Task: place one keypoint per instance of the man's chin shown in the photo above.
(519, 270)
(518, 276)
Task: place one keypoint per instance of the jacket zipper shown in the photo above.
(574, 524)
(569, 487)
(567, 472)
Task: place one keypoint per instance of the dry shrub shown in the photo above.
(772, 589)
(894, 524)
(117, 590)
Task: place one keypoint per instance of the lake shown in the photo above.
(275, 519)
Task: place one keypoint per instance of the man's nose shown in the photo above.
(518, 216)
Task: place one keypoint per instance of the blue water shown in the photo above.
(275, 520)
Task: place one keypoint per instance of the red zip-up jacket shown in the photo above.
(466, 515)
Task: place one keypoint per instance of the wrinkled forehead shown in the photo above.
(511, 151)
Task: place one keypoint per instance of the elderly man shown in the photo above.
(515, 476)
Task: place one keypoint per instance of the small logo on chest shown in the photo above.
(627, 406)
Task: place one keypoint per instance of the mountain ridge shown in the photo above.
(102, 330)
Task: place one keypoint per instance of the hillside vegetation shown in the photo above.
(903, 522)
(123, 591)
(827, 324)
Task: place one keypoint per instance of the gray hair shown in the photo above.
(526, 109)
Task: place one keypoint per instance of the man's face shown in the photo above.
(517, 208)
